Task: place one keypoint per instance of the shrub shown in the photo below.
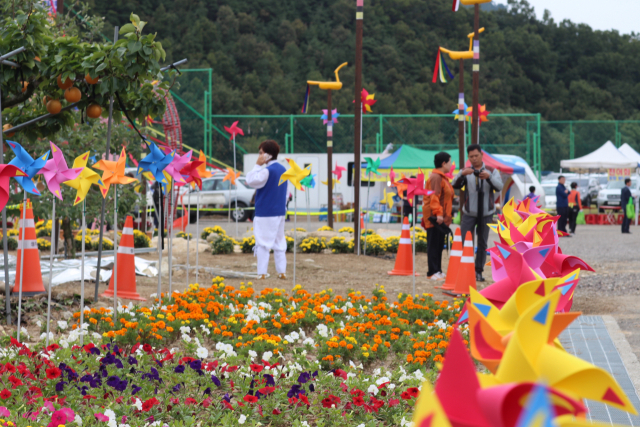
(325, 228)
(313, 245)
(43, 232)
(421, 241)
(209, 230)
(376, 245)
(290, 242)
(224, 245)
(346, 230)
(339, 245)
(44, 244)
(302, 230)
(247, 244)
(12, 244)
(185, 236)
(77, 242)
(107, 245)
(13, 232)
(140, 239)
(368, 232)
(392, 244)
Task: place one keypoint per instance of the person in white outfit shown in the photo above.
(271, 209)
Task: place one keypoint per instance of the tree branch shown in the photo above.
(21, 97)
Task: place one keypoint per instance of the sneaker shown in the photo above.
(437, 276)
(479, 277)
(282, 276)
(262, 277)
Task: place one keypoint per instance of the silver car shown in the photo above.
(213, 188)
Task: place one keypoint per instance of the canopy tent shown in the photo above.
(506, 164)
(604, 158)
(630, 153)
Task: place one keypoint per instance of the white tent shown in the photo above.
(630, 153)
(605, 157)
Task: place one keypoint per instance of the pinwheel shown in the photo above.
(191, 176)
(155, 162)
(367, 101)
(309, 182)
(232, 176)
(482, 113)
(338, 171)
(233, 131)
(295, 175)
(464, 113)
(204, 173)
(113, 174)
(388, 199)
(56, 172)
(334, 182)
(6, 173)
(30, 167)
(334, 116)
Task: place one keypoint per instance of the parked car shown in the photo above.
(549, 195)
(213, 188)
(610, 196)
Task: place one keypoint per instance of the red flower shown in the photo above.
(276, 412)
(53, 373)
(147, 348)
(406, 396)
(394, 402)
(15, 381)
(5, 394)
(340, 373)
(207, 402)
(190, 401)
(413, 391)
(292, 400)
(358, 401)
(10, 367)
(267, 390)
(304, 399)
(148, 404)
(356, 392)
(88, 397)
(330, 401)
(250, 399)
(377, 404)
(227, 404)
(53, 347)
(256, 368)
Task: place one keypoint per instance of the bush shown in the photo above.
(224, 245)
(77, 242)
(421, 242)
(248, 243)
(392, 244)
(209, 230)
(339, 245)
(302, 230)
(13, 232)
(376, 245)
(107, 245)
(12, 244)
(185, 236)
(44, 244)
(368, 232)
(346, 230)
(43, 232)
(313, 245)
(290, 242)
(325, 228)
(140, 239)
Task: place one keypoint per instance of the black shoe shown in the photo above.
(479, 277)
(626, 232)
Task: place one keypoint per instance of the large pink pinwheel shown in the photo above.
(56, 171)
(176, 165)
(415, 187)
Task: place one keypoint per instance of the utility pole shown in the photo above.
(358, 125)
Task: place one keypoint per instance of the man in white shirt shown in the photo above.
(270, 210)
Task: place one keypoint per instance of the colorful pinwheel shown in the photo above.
(56, 171)
(457, 113)
(83, 182)
(367, 101)
(113, 172)
(372, 165)
(387, 199)
(231, 176)
(295, 174)
(415, 187)
(482, 113)
(234, 130)
(202, 169)
(173, 169)
(28, 165)
(155, 162)
(338, 171)
(191, 174)
(6, 173)
(309, 181)
(334, 116)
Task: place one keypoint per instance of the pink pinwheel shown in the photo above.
(234, 130)
(191, 174)
(56, 171)
(334, 116)
(338, 171)
(415, 187)
(176, 165)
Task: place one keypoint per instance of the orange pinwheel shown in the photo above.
(231, 176)
(202, 169)
(113, 172)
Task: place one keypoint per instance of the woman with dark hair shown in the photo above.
(437, 205)
(270, 210)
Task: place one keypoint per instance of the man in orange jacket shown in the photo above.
(575, 206)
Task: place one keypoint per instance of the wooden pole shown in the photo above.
(476, 74)
(329, 162)
(357, 125)
(461, 121)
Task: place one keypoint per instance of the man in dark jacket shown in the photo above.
(625, 196)
(562, 204)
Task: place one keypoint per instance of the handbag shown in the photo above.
(630, 209)
(580, 218)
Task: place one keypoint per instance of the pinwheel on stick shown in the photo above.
(30, 167)
(372, 167)
(233, 131)
(308, 182)
(192, 177)
(203, 173)
(295, 175)
(55, 172)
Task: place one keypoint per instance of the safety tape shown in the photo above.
(28, 244)
(301, 213)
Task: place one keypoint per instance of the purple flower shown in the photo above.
(295, 390)
(179, 369)
(216, 381)
(312, 388)
(135, 389)
(95, 351)
(132, 360)
(118, 384)
(196, 365)
(60, 385)
(304, 377)
(270, 381)
(176, 388)
(227, 397)
(207, 391)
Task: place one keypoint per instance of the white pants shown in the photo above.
(269, 234)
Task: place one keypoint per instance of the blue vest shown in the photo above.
(271, 200)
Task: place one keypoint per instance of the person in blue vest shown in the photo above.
(271, 209)
(562, 204)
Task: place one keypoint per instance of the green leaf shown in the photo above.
(58, 58)
(135, 19)
(141, 25)
(134, 47)
(101, 67)
(127, 28)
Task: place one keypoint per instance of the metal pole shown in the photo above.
(295, 231)
(53, 223)
(170, 225)
(7, 289)
(21, 246)
(413, 220)
(366, 207)
(308, 212)
(329, 162)
(160, 241)
(109, 123)
(188, 220)
(476, 75)
(235, 169)
(357, 125)
(197, 235)
(84, 230)
(115, 254)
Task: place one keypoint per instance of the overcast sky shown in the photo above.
(621, 15)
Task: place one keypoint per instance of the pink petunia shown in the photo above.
(4, 412)
(101, 417)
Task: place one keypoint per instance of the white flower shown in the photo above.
(43, 336)
(391, 386)
(78, 420)
(305, 424)
(406, 423)
(62, 324)
(266, 356)
(322, 330)
(373, 389)
(361, 425)
(186, 338)
(63, 343)
(138, 404)
(253, 354)
(39, 323)
(202, 352)
(308, 341)
(418, 375)
(109, 413)
(351, 375)
(242, 419)
(376, 372)
(185, 329)
(382, 380)
(96, 336)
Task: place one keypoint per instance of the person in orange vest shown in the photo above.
(437, 205)
(575, 206)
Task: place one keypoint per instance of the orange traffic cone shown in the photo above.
(126, 266)
(454, 262)
(404, 258)
(361, 221)
(32, 275)
(466, 272)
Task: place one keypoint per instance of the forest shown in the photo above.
(262, 52)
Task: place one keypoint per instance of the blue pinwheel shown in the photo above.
(309, 181)
(156, 162)
(457, 111)
(27, 164)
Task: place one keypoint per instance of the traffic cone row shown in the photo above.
(454, 262)
(32, 274)
(404, 259)
(126, 266)
(466, 277)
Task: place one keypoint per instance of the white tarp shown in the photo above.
(605, 157)
(630, 153)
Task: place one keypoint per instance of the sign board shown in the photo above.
(616, 174)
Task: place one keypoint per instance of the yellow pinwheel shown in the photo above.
(86, 178)
(295, 174)
(387, 199)
(429, 410)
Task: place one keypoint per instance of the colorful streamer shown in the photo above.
(305, 106)
(440, 68)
